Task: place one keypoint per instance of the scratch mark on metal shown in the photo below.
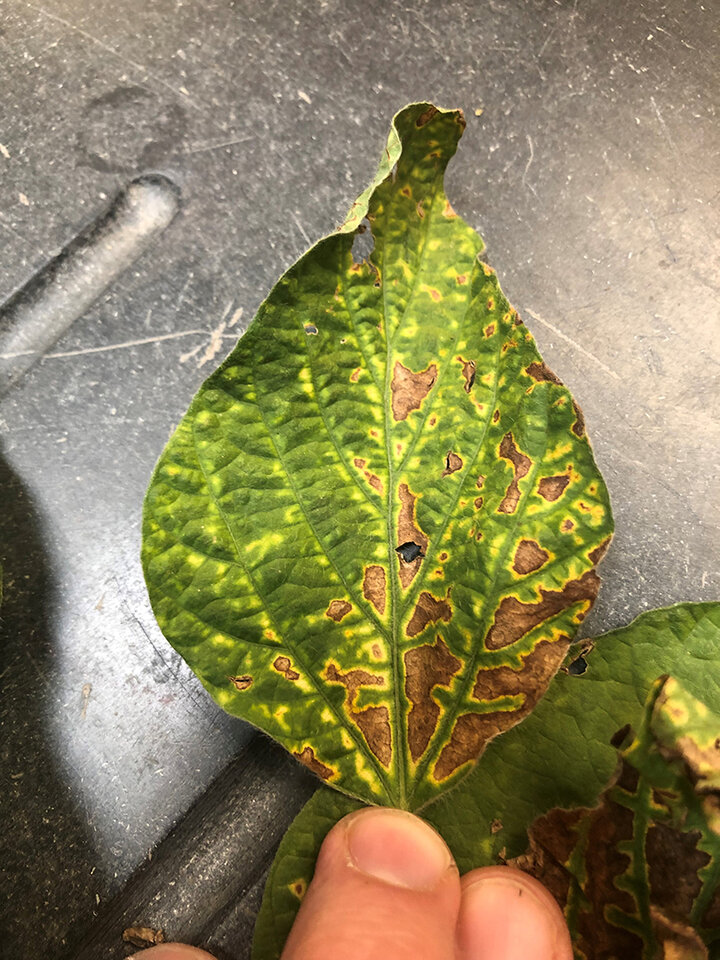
(529, 164)
(567, 339)
(304, 235)
(663, 125)
(106, 46)
(106, 347)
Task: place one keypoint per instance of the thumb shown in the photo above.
(385, 885)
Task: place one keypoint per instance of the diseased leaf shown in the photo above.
(560, 756)
(374, 533)
(638, 875)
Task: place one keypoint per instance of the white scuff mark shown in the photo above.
(106, 46)
(86, 691)
(184, 91)
(4, 151)
(303, 234)
(663, 125)
(213, 145)
(103, 349)
(529, 164)
(212, 348)
(23, 200)
(304, 96)
(564, 336)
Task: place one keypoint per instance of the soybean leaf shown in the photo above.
(373, 534)
(638, 875)
(560, 757)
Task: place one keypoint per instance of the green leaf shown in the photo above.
(638, 875)
(373, 534)
(560, 756)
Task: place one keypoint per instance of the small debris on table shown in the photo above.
(143, 936)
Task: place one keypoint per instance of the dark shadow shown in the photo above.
(46, 856)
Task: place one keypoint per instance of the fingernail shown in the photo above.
(397, 847)
(504, 919)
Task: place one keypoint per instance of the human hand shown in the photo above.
(386, 888)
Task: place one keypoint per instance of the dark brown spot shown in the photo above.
(480, 481)
(409, 532)
(468, 373)
(375, 587)
(355, 374)
(406, 191)
(496, 826)
(426, 117)
(521, 467)
(491, 304)
(568, 525)
(374, 480)
(420, 210)
(299, 888)
(376, 651)
(472, 731)
(550, 488)
(338, 609)
(443, 557)
(599, 552)
(426, 667)
(307, 756)
(434, 294)
(514, 619)
(428, 609)
(433, 421)
(673, 861)
(478, 501)
(496, 416)
(578, 428)
(489, 329)
(359, 462)
(284, 666)
(461, 278)
(410, 389)
(452, 463)
(241, 683)
(373, 722)
(529, 557)
(540, 371)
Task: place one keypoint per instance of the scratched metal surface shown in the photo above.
(591, 173)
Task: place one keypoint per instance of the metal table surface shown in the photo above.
(591, 172)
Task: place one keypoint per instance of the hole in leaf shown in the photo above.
(311, 329)
(363, 243)
(577, 667)
(620, 736)
(409, 551)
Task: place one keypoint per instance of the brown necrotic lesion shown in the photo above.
(307, 756)
(373, 721)
(241, 683)
(409, 534)
(551, 488)
(529, 557)
(521, 467)
(429, 609)
(453, 463)
(514, 619)
(410, 389)
(338, 609)
(283, 665)
(375, 587)
(524, 687)
(426, 667)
